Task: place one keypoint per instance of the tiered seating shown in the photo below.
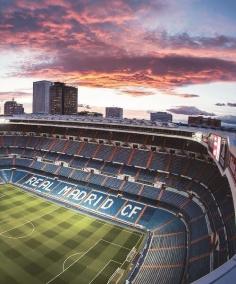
(159, 161)
(79, 175)
(3, 152)
(59, 145)
(166, 258)
(122, 155)
(72, 148)
(111, 169)
(94, 164)
(65, 171)
(79, 162)
(130, 171)
(31, 153)
(96, 179)
(8, 141)
(50, 156)
(22, 162)
(5, 162)
(132, 187)
(113, 183)
(17, 151)
(104, 152)
(140, 158)
(44, 143)
(177, 164)
(20, 141)
(37, 165)
(150, 192)
(50, 168)
(173, 198)
(32, 142)
(88, 150)
(146, 176)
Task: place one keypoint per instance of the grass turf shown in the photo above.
(42, 242)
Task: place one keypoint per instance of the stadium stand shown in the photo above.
(169, 187)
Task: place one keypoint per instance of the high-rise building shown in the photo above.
(161, 116)
(114, 112)
(63, 99)
(204, 121)
(41, 91)
(12, 107)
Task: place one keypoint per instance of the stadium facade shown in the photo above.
(176, 184)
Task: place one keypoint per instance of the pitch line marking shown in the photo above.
(100, 271)
(115, 244)
(63, 265)
(73, 262)
(20, 237)
(26, 222)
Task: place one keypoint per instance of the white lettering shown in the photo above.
(31, 180)
(135, 211)
(107, 204)
(46, 185)
(65, 190)
(37, 182)
(97, 201)
(73, 193)
(90, 198)
(80, 196)
(129, 210)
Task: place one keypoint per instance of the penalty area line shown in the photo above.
(59, 274)
(100, 271)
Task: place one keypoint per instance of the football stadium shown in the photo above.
(104, 201)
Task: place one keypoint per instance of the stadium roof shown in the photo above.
(228, 133)
(224, 274)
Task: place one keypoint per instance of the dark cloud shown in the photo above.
(189, 110)
(97, 43)
(220, 104)
(231, 104)
(137, 93)
(228, 104)
(159, 72)
(184, 40)
(182, 95)
(185, 95)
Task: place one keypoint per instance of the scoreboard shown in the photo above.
(214, 143)
(232, 165)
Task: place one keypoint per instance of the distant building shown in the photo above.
(41, 91)
(204, 121)
(114, 112)
(12, 107)
(90, 113)
(161, 116)
(63, 99)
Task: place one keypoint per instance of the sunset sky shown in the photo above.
(177, 55)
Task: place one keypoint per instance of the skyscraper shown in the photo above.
(161, 116)
(114, 112)
(63, 99)
(12, 107)
(41, 97)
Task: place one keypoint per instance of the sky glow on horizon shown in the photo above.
(140, 55)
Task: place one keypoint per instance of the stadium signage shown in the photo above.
(95, 200)
(40, 183)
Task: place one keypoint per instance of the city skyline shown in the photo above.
(139, 55)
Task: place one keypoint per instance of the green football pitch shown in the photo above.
(42, 242)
